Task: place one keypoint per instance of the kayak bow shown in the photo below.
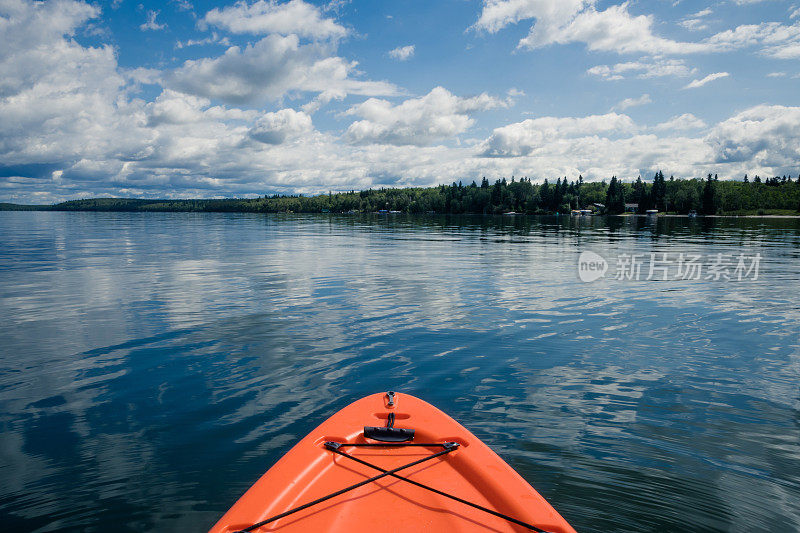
(391, 462)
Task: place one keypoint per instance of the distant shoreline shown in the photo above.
(772, 197)
(181, 209)
(674, 215)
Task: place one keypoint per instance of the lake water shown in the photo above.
(153, 366)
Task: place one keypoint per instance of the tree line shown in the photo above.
(775, 195)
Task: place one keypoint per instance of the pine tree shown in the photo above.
(544, 194)
(615, 196)
(640, 194)
(658, 192)
(709, 197)
(611, 191)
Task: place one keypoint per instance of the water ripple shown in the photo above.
(154, 365)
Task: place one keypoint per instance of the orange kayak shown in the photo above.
(391, 462)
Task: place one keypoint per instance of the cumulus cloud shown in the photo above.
(776, 39)
(268, 69)
(57, 98)
(597, 157)
(417, 121)
(766, 136)
(402, 53)
(68, 126)
(523, 138)
(497, 14)
(563, 22)
(29, 29)
(686, 121)
(141, 75)
(711, 77)
(615, 29)
(172, 107)
(71, 125)
(280, 126)
(643, 69)
(611, 30)
(627, 103)
(763, 139)
(268, 16)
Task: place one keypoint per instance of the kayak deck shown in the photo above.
(467, 469)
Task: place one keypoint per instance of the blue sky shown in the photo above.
(209, 99)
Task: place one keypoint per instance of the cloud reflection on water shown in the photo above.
(164, 361)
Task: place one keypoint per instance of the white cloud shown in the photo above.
(29, 25)
(711, 77)
(776, 75)
(417, 121)
(746, 35)
(271, 67)
(777, 40)
(141, 75)
(694, 24)
(563, 22)
(58, 99)
(763, 136)
(785, 51)
(615, 29)
(172, 107)
(283, 125)
(522, 138)
(643, 69)
(696, 21)
(402, 53)
(627, 103)
(70, 126)
(497, 14)
(687, 121)
(612, 30)
(214, 38)
(268, 16)
(335, 6)
(151, 23)
(184, 5)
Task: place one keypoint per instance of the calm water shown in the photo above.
(152, 366)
